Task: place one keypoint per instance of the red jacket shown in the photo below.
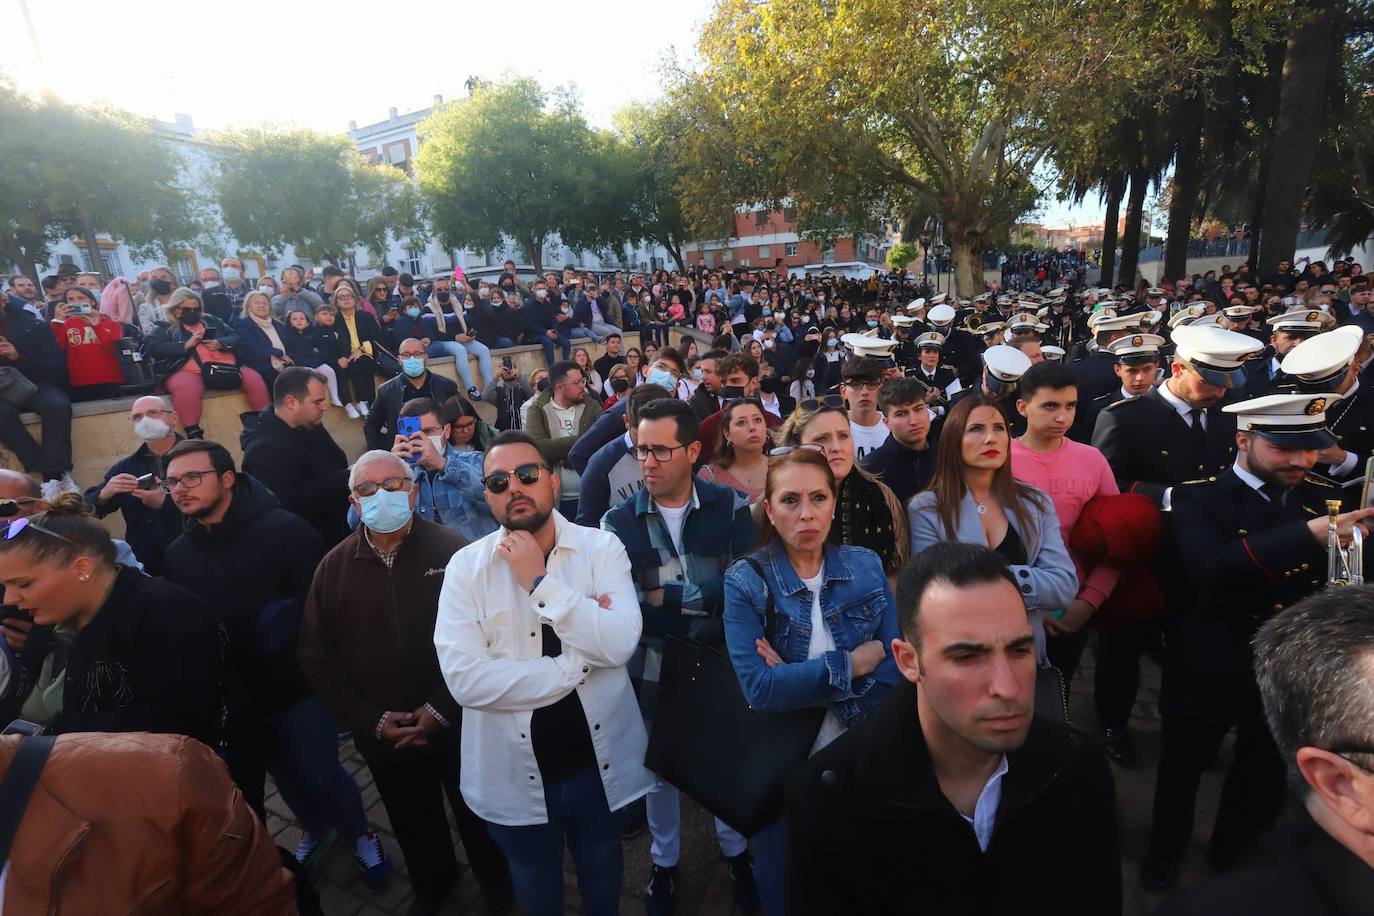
(90, 352)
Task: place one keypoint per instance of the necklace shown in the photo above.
(982, 509)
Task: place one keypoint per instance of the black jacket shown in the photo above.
(306, 470)
(40, 358)
(148, 661)
(1096, 374)
(254, 568)
(1245, 559)
(704, 403)
(1151, 448)
(906, 472)
(1298, 868)
(369, 331)
(315, 346)
(148, 531)
(871, 832)
(167, 343)
(380, 427)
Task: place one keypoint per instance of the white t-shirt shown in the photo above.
(674, 518)
(821, 643)
(565, 427)
(867, 439)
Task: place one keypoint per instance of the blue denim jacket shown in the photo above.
(857, 606)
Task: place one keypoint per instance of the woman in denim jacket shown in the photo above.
(835, 622)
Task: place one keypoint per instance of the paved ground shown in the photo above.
(703, 881)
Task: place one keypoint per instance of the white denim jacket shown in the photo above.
(491, 652)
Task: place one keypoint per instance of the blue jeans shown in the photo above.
(460, 353)
(503, 342)
(770, 866)
(563, 342)
(305, 764)
(584, 334)
(578, 812)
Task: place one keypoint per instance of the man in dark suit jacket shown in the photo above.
(1252, 543)
(1096, 370)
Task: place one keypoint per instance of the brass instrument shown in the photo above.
(1344, 565)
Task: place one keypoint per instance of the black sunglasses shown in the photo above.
(528, 474)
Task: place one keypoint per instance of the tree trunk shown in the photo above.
(1184, 189)
(968, 266)
(1130, 240)
(1116, 188)
(93, 247)
(536, 252)
(1306, 63)
(1257, 214)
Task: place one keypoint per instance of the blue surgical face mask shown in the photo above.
(386, 511)
(767, 313)
(832, 342)
(413, 313)
(413, 366)
(872, 323)
(662, 377)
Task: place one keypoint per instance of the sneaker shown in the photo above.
(372, 859)
(311, 850)
(363, 409)
(194, 432)
(67, 485)
(746, 889)
(49, 489)
(352, 412)
(658, 896)
(473, 394)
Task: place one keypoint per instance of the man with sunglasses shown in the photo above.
(536, 623)
(681, 534)
(1313, 662)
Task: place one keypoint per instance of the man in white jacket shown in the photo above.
(536, 623)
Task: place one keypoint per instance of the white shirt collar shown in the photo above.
(985, 811)
(1250, 480)
(1176, 402)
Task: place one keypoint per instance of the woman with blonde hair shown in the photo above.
(261, 337)
(355, 331)
(869, 514)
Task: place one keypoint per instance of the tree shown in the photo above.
(651, 137)
(902, 254)
(312, 191)
(877, 109)
(73, 171)
(509, 161)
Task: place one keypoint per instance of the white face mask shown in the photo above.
(437, 442)
(231, 274)
(151, 429)
(540, 293)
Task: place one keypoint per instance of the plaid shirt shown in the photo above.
(453, 497)
(684, 593)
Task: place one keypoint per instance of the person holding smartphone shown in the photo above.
(87, 339)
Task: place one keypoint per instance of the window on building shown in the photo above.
(184, 266)
(760, 217)
(789, 214)
(726, 255)
(828, 255)
(765, 251)
(109, 261)
(411, 263)
(790, 249)
(396, 153)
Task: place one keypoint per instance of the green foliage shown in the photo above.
(902, 254)
(73, 170)
(510, 160)
(650, 137)
(313, 191)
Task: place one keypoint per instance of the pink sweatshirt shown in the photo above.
(1072, 474)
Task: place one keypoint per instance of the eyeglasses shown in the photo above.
(863, 386)
(189, 481)
(464, 427)
(391, 485)
(789, 449)
(20, 524)
(829, 400)
(1344, 752)
(661, 453)
(527, 474)
(150, 412)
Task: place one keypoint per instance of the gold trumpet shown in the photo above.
(1344, 564)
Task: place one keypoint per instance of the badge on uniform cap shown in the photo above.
(1317, 406)
(1290, 421)
(1137, 341)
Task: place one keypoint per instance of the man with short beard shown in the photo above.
(536, 623)
(953, 793)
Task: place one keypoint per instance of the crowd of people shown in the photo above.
(896, 519)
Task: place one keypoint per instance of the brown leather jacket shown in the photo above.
(140, 824)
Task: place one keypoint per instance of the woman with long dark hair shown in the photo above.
(974, 499)
(740, 461)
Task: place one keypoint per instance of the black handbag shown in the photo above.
(219, 376)
(711, 744)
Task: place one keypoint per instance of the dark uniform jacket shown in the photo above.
(869, 805)
(1351, 421)
(1246, 559)
(940, 380)
(1296, 869)
(1258, 381)
(1096, 375)
(1151, 448)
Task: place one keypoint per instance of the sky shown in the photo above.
(323, 65)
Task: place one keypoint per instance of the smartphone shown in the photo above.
(23, 727)
(408, 426)
(507, 362)
(147, 482)
(82, 308)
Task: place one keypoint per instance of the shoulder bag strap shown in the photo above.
(18, 786)
(770, 614)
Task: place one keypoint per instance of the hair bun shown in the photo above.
(69, 503)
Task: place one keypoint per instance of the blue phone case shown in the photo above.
(408, 426)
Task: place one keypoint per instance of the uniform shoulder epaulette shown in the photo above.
(1318, 481)
(1116, 405)
(1198, 482)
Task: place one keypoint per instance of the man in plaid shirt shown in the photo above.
(681, 534)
